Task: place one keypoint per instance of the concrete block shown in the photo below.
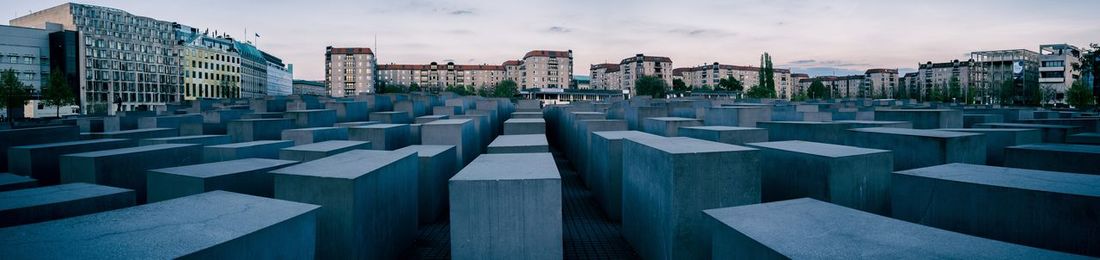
(668, 126)
(853, 177)
(98, 124)
(264, 115)
(726, 134)
(507, 206)
(923, 118)
(128, 120)
(381, 136)
(820, 132)
(34, 135)
(524, 126)
(483, 129)
(245, 176)
(213, 225)
(447, 110)
(532, 143)
(1051, 133)
(1051, 210)
(582, 144)
(246, 130)
(41, 161)
(1076, 158)
(33, 205)
(437, 164)
(494, 120)
(134, 134)
(996, 139)
(922, 148)
(358, 123)
(746, 116)
(1084, 138)
(126, 167)
(413, 108)
(10, 181)
(526, 115)
(392, 117)
(635, 116)
(314, 151)
(188, 124)
(605, 170)
(1084, 124)
(811, 229)
(215, 121)
(203, 140)
(268, 149)
(870, 123)
(349, 111)
(368, 201)
(312, 118)
(457, 132)
(268, 105)
(426, 119)
(311, 135)
(668, 181)
(969, 120)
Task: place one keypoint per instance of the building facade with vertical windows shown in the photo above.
(604, 76)
(350, 71)
(711, 74)
(881, 83)
(309, 87)
(253, 71)
(1059, 68)
(280, 77)
(211, 65)
(939, 76)
(546, 69)
(992, 68)
(435, 76)
(630, 69)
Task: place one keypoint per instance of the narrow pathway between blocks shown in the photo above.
(587, 233)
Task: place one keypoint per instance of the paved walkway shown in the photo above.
(588, 234)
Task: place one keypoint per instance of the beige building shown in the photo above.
(796, 83)
(911, 83)
(350, 71)
(605, 76)
(512, 70)
(211, 65)
(440, 76)
(881, 83)
(1059, 67)
(939, 75)
(839, 87)
(546, 69)
(710, 75)
(630, 69)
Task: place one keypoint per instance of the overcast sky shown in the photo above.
(819, 37)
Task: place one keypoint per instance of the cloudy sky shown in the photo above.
(819, 37)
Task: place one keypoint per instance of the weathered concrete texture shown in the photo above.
(1051, 133)
(314, 151)
(746, 116)
(349, 111)
(413, 108)
(1052, 210)
(215, 121)
(524, 126)
(245, 130)
(483, 131)
(448, 110)
(915, 148)
(457, 132)
(10, 181)
(128, 120)
(1084, 138)
(368, 201)
(213, 225)
(605, 170)
(726, 134)
(268, 104)
(821, 132)
(437, 165)
(312, 118)
(526, 115)
(189, 124)
(203, 140)
(811, 229)
(996, 139)
(635, 116)
(853, 177)
(668, 181)
(98, 124)
(381, 136)
(969, 120)
(533, 143)
(583, 141)
(507, 206)
(311, 135)
(36, 135)
(263, 115)
(494, 120)
(126, 167)
(391, 117)
(134, 134)
(1084, 124)
(414, 133)
(865, 123)
(357, 123)
(41, 161)
(268, 149)
(1076, 158)
(923, 118)
(668, 126)
(246, 176)
(35, 205)
(426, 119)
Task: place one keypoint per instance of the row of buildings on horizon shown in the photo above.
(117, 61)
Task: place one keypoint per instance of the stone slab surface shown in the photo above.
(382, 136)
(311, 135)
(42, 161)
(523, 126)
(922, 147)
(1076, 158)
(10, 181)
(245, 176)
(255, 149)
(850, 176)
(314, 151)
(526, 143)
(126, 167)
(437, 165)
(35, 205)
(203, 140)
(726, 134)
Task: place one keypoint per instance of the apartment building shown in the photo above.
(796, 83)
(1059, 68)
(309, 87)
(838, 86)
(881, 83)
(711, 74)
(605, 76)
(440, 76)
(211, 65)
(546, 69)
(992, 68)
(350, 71)
(632, 68)
(939, 75)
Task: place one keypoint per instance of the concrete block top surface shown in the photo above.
(870, 122)
(309, 110)
(588, 113)
(381, 126)
(252, 143)
(53, 194)
(1019, 125)
(525, 120)
(721, 128)
(264, 119)
(433, 116)
(215, 169)
(915, 110)
(63, 144)
(672, 119)
(527, 166)
(129, 150)
(162, 230)
(315, 129)
(347, 165)
(686, 145)
(810, 229)
(8, 178)
(914, 132)
(1049, 181)
(325, 146)
(427, 150)
(448, 122)
(985, 130)
(820, 149)
(615, 135)
(1074, 148)
(186, 137)
(799, 122)
(519, 140)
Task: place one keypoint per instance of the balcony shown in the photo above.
(1052, 80)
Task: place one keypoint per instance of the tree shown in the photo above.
(972, 94)
(678, 85)
(818, 90)
(1007, 92)
(729, 83)
(1033, 94)
(459, 90)
(506, 89)
(57, 93)
(954, 90)
(1079, 96)
(228, 89)
(13, 93)
(651, 86)
(414, 87)
(766, 76)
(759, 91)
